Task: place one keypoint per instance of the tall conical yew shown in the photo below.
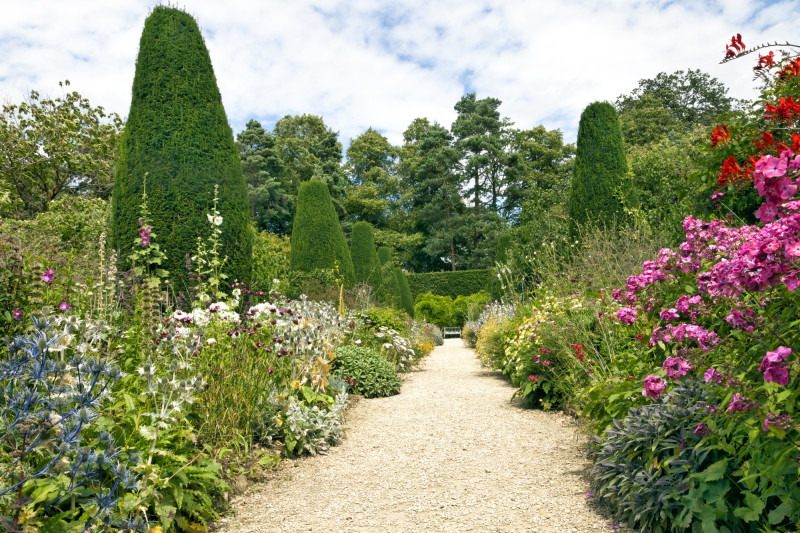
(177, 135)
(366, 265)
(600, 169)
(317, 238)
(390, 288)
(406, 298)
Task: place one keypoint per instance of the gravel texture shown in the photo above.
(449, 453)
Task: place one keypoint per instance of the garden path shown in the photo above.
(450, 453)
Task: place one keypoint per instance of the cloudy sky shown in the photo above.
(380, 64)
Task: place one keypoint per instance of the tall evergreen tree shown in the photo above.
(390, 287)
(600, 169)
(431, 164)
(366, 265)
(271, 206)
(406, 299)
(317, 238)
(177, 135)
(373, 190)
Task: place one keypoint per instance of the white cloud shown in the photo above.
(361, 63)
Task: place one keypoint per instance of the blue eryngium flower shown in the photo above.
(49, 394)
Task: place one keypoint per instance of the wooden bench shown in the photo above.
(455, 332)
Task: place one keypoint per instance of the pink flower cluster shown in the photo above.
(684, 332)
(740, 403)
(48, 275)
(627, 315)
(144, 233)
(775, 178)
(676, 367)
(773, 366)
(653, 387)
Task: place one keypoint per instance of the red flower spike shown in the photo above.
(767, 140)
(767, 61)
(720, 135)
(795, 143)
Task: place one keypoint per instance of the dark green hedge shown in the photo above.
(177, 134)
(453, 284)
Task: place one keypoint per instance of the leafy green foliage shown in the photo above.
(598, 186)
(317, 238)
(435, 309)
(271, 205)
(52, 147)
(177, 134)
(271, 258)
(453, 284)
(374, 376)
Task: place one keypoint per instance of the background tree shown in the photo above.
(271, 206)
(600, 169)
(51, 147)
(480, 134)
(677, 102)
(435, 205)
(310, 149)
(177, 135)
(317, 238)
(366, 265)
(390, 286)
(373, 189)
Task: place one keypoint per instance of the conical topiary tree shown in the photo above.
(406, 299)
(317, 238)
(390, 288)
(600, 169)
(366, 265)
(177, 135)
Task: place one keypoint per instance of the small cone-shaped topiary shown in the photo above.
(390, 288)
(601, 169)
(406, 300)
(317, 238)
(366, 265)
(177, 135)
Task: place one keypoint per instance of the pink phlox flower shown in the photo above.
(48, 275)
(627, 315)
(771, 167)
(739, 403)
(65, 306)
(702, 430)
(653, 387)
(712, 374)
(676, 367)
(773, 366)
(668, 315)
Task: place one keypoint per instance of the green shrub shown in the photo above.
(270, 262)
(177, 135)
(600, 169)
(370, 374)
(387, 317)
(454, 284)
(390, 286)
(317, 238)
(406, 300)
(436, 309)
(467, 308)
(366, 265)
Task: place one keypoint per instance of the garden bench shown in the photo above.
(455, 332)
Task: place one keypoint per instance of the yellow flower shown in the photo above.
(295, 385)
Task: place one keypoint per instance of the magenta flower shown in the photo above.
(701, 430)
(65, 306)
(739, 403)
(17, 315)
(627, 315)
(676, 367)
(668, 315)
(712, 374)
(48, 275)
(653, 387)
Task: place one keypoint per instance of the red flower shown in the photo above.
(787, 109)
(730, 171)
(791, 69)
(795, 143)
(767, 61)
(720, 135)
(767, 140)
(735, 47)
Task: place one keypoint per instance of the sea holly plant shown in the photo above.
(54, 381)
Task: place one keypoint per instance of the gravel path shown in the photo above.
(450, 453)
